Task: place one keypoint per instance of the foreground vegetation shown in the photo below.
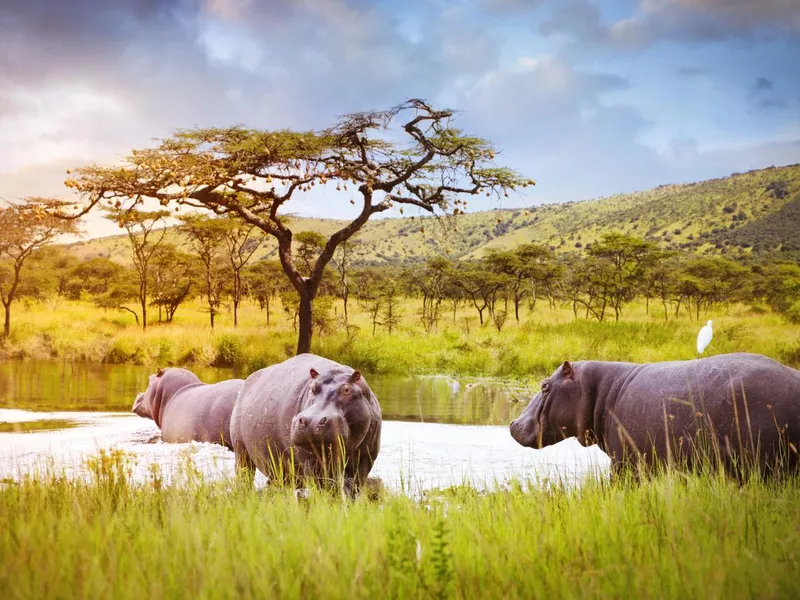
(78, 331)
(673, 536)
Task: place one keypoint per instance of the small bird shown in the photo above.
(704, 338)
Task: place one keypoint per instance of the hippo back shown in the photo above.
(201, 412)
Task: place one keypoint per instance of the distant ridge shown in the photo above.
(744, 213)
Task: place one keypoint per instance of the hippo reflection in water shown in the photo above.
(307, 417)
(186, 409)
(745, 405)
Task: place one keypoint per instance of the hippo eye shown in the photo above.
(345, 389)
(315, 388)
(545, 387)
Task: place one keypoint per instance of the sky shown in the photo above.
(587, 98)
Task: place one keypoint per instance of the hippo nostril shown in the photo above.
(323, 420)
(302, 421)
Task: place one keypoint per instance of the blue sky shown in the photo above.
(589, 98)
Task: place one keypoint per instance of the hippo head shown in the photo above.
(559, 411)
(147, 403)
(341, 408)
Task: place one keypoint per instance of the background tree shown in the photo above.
(391, 311)
(263, 280)
(370, 284)
(624, 260)
(481, 286)
(94, 276)
(122, 290)
(706, 281)
(173, 274)
(25, 228)
(54, 264)
(145, 237)
(206, 238)
(407, 155)
(242, 239)
(341, 260)
(433, 282)
(309, 245)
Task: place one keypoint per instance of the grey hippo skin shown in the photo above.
(187, 409)
(748, 401)
(306, 418)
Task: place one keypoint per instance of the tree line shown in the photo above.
(597, 283)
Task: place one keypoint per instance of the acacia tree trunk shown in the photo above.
(237, 296)
(345, 296)
(143, 303)
(306, 320)
(7, 325)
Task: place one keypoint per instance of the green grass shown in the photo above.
(77, 331)
(672, 536)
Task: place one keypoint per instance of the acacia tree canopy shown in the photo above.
(25, 228)
(407, 155)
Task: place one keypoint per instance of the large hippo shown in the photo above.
(743, 406)
(187, 409)
(307, 417)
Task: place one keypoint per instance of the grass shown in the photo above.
(77, 331)
(672, 536)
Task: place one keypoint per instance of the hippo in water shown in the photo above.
(187, 409)
(307, 417)
(746, 405)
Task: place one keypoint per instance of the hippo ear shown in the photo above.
(566, 370)
(160, 373)
(314, 374)
(355, 376)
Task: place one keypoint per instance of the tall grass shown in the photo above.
(78, 331)
(670, 536)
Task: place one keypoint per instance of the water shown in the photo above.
(437, 431)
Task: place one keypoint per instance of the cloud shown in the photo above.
(89, 80)
(763, 95)
(655, 21)
(706, 20)
(693, 71)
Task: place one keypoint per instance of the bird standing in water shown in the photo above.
(704, 338)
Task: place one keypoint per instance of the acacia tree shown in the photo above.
(145, 239)
(263, 282)
(206, 237)
(624, 260)
(242, 239)
(172, 276)
(341, 260)
(433, 281)
(24, 228)
(407, 155)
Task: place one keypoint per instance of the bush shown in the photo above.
(228, 351)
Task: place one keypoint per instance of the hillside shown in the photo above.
(753, 212)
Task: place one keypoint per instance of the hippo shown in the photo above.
(732, 408)
(307, 417)
(187, 409)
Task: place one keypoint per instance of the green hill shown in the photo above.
(753, 212)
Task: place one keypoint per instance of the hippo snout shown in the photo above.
(313, 429)
(523, 432)
(137, 405)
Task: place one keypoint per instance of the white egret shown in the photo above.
(704, 338)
